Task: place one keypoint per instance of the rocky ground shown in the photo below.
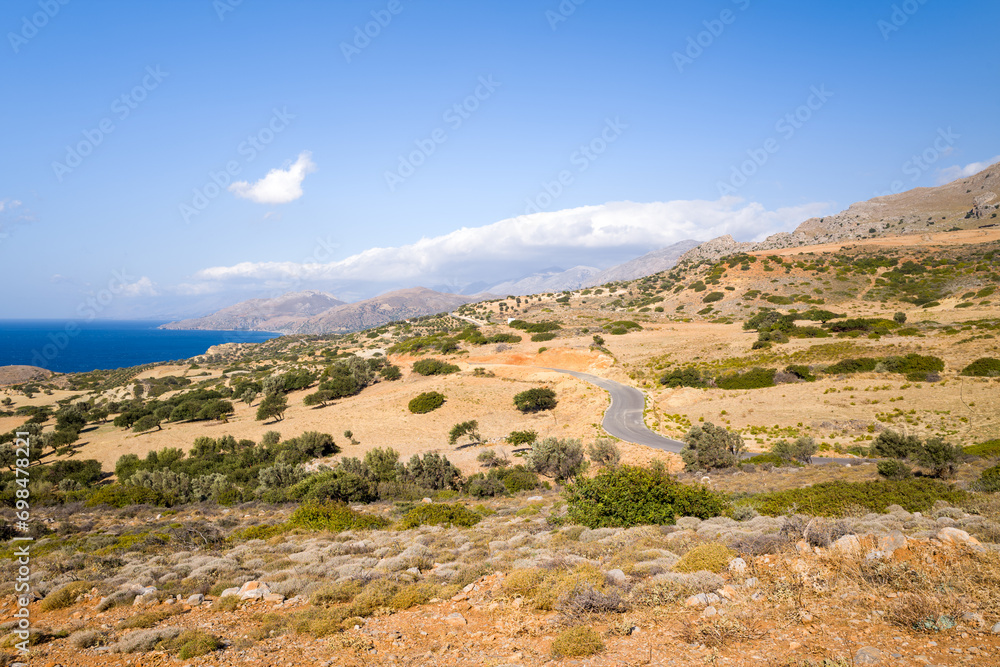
(898, 588)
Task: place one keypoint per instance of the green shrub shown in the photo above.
(333, 517)
(913, 364)
(631, 496)
(604, 452)
(426, 402)
(560, 459)
(542, 337)
(988, 448)
(755, 378)
(893, 445)
(985, 367)
(802, 450)
(801, 371)
(577, 642)
(709, 446)
(838, 497)
(893, 469)
(120, 495)
(942, 458)
(535, 400)
(439, 514)
(522, 437)
(989, 482)
(712, 297)
(192, 643)
(535, 327)
(434, 367)
(845, 366)
(683, 377)
(519, 479)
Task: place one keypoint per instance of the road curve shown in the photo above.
(623, 418)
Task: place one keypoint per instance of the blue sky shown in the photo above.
(873, 84)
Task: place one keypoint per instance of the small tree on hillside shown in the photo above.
(147, 423)
(801, 450)
(561, 459)
(941, 457)
(273, 406)
(710, 446)
(535, 400)
(604, 452)
(468, 429)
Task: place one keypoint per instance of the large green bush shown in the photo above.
(989, 482)
(535, 400)
(862, 365)
(988, 448)
(837, 498)
(434, 367)
(333, 517)
(985, 367)
(426, 402)
(683, 377)
(755, 378)
(440, 514)
(632, 496)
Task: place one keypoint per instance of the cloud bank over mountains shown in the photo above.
(595, 235)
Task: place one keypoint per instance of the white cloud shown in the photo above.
(953, 173)
(591, 234)
(142, 287)
(280, 186)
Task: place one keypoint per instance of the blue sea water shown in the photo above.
(72, 346)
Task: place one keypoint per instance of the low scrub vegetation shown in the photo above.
(632, 496)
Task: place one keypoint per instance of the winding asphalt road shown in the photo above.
(623, 418)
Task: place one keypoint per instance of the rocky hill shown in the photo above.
(17, 374)
(967, 203)
(284, 313)
(389, 307)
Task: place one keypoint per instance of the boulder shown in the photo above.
(253, 590)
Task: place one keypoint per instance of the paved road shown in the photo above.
(623, 418)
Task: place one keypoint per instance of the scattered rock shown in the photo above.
(950, 535)
(456, 619)
(195, 600)
(848, 544)
(253, 590)
(869, 655)
(737, 566)
(710, 611)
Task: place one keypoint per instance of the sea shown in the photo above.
(75, 346)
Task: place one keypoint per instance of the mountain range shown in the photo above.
(966, 203)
